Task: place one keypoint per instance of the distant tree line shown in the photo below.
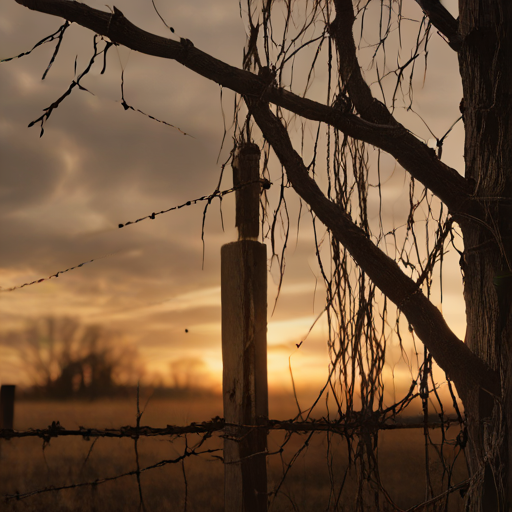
(63, 359)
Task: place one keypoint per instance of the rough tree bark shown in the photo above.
(480, 202)
(484, 57)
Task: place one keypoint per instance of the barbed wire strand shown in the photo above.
(218, 193)
(342, 427)
(207, 428)
(129, 107)
(188, 453)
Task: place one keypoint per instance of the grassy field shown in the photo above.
(198, 484)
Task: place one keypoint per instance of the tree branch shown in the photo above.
(413, 155)
(341, 30)
(443, 21)
(465, 369)
(368, 107)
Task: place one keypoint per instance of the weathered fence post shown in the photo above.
(244, 346)
(6, 409)
(7, 406)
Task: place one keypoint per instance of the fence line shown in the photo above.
(359, 426)
(218, 424)
(136, 472)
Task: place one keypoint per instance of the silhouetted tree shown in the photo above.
(64, 359)
(186, 373)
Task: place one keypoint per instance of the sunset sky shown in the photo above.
(97, 165)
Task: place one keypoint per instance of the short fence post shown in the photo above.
(244, 346)
(6, 409)
(7, 406)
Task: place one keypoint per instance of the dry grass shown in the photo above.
(26, 466)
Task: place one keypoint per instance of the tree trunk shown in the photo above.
(484, 59)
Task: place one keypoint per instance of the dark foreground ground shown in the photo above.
(312, 484)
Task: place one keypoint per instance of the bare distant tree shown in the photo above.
(346, 119)
(187, 373)
(64, 359)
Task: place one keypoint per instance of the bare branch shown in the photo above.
(453, 356)
(419, 160)
(368, 107)
(443, 21)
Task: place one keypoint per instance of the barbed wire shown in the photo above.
(189, 452)
(206, 429)
(129, 107)
(37, 281)
(344, 428)
(217, 193)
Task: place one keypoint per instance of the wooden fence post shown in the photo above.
(244, 346)
(6, 409)
(7, 406)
